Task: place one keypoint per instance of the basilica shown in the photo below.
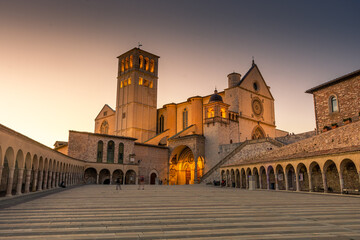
(227, 136)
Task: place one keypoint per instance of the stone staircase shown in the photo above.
(234, 152)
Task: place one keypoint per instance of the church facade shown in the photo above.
(193, 130)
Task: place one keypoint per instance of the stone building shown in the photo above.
(192, 130)
(326, 162)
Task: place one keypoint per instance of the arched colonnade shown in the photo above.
(336, 174)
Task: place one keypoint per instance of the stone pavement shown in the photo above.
(174, 212)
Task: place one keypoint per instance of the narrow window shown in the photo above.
(110, 152)
(333, 104)
(127, 63)
(152, 65)
(140, 81)
(121, 84)
(211, 113)
(146, 63)
(129, 81)
(121, 153)
(151, 84)
(223, 113)
(122, 65)
(185, 118)
(131, 61)
(99, 151)
(161, 124)
(141, 61)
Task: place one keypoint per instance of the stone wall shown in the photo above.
(152, 159)
(348, 95)
(292, 138)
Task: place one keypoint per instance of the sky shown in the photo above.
(58, 62)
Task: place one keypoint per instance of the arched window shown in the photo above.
(152, 65)
(99, 151)
(127, 63)
(185, 118)
(110, 152)
(141, 61)
(223, 112)
(104, 129)
(146, 63)
(211, 113)
(334, 104)
(257, 133)
(131, 61)
(122, 65)
(121, 153)
(161, 124)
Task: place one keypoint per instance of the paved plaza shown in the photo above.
(174, 212)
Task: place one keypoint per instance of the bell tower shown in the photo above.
(136, 98)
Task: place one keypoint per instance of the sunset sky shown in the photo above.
(58, 61)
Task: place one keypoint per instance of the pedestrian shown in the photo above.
(118, 186)
(141, 182)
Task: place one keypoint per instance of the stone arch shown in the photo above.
(280, 177)
(200, 168)
(316, 177)
(232, 178)
(243, 178)
(227, 178)
(223, 177)
(104, 176)
(303, 177)
(291, 177)
(9, 162)
(256, 176)
(258, 132)
(152, 65)
(263, 177)
(118, 174)
(332, 178)
(182, 166)
(90, 175)
(153, 176)
(271, 177)
(248, 174)
(130, 177)
(237, 178)
(349, 174)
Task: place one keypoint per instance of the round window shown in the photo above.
(257, 107)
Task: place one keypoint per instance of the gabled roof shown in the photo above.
(334, 81)
(255, 67)
(105, 106)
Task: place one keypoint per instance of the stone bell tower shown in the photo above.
(136, 98)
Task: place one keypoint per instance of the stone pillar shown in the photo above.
(246, 181)
(341, 178)
(110, 178)
(10, 182)
(97, 178)
(297, 181)
(19, 181)
(50, 180)
(53, 181)
(276, 182)
(324, 182)
(196, 170)
(268, 181)
(310, 182)
(40, 180)
(45, 180)
(286, 181)
(240, 180)
(27, 180)
(35, 181)
(56, 174)
(260, 181)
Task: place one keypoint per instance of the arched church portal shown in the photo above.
(182, 166)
